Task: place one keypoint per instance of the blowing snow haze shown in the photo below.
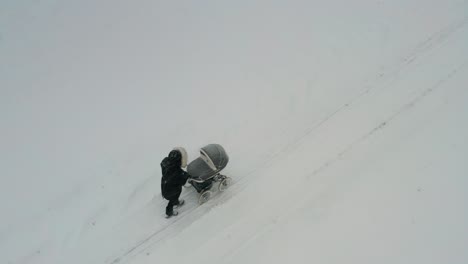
(345, 122)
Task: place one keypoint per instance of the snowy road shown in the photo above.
(285, 222)
(346, 126)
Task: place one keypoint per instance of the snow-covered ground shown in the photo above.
(346, 123)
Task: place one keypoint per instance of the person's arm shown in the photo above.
(186, 176)
(183, 177)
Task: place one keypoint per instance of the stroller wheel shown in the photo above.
(204, 196)
(224, 184)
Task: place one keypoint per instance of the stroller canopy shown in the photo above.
(213, 158)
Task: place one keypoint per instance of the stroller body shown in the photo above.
(205, 171)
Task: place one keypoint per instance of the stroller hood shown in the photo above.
(213, 158)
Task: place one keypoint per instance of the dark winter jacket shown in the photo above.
(173, 178)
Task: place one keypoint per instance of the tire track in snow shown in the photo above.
(348, 149)
(382, 81)
(406, 107)
(139, 246)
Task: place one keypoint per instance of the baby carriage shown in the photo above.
(205, 171)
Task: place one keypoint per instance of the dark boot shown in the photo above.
(179, 204)
(170, 208)
(174, 213)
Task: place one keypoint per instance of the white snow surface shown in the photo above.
(346, 123)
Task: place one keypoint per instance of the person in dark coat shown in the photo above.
(173, 178)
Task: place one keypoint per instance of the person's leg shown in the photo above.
(170, 206)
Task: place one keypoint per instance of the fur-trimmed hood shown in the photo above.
(183, 152)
